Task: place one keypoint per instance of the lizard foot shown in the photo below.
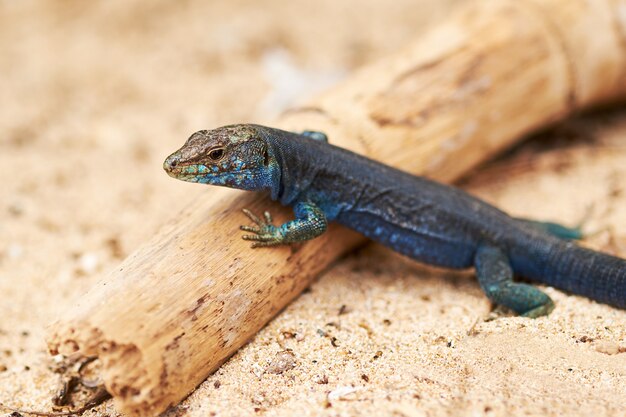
(542, 310)
(495, 277)
(265, 233)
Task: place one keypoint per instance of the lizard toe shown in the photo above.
(253, 217)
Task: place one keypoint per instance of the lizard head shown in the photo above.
(236, 156)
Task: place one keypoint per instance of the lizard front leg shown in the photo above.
(309, 223)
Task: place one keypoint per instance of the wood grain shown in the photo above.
(187, 300)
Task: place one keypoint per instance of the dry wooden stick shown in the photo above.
(183, 303)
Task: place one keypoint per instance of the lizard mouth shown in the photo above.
(180, 170)
(191, 174)
(199, 173)
(187, 171)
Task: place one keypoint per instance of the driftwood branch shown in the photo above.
(182, 304)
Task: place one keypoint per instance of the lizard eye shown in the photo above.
(216, 154)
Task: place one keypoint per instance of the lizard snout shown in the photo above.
(171, 162)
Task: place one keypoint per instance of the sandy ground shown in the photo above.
(93, 95)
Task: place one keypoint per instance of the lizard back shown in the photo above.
(415, 216)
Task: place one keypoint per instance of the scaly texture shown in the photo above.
(422, 219)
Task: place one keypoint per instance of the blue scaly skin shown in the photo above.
(422, 219)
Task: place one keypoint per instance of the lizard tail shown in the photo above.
(572, 268)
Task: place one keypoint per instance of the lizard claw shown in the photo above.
(266, 234)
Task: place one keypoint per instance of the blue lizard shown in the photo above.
(420, 218)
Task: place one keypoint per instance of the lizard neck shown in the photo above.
(294, 169)
(275, 171)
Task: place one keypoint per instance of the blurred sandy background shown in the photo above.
(93, 96)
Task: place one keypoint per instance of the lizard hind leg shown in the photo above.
(495, 277)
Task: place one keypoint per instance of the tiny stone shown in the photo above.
(367, 328)
(607, 347)
(322, 380)
(341, 392)
(257, 370)
(288, 334)
(283, 361)
(89, 263)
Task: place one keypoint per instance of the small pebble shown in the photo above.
(288, 334)
(257, 370)
(283, 361)
(607, 347)
(89, 263)
(340, 393)
(323, 380)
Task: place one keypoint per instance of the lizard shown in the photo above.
(420, 218)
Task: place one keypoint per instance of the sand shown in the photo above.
(95, 94)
